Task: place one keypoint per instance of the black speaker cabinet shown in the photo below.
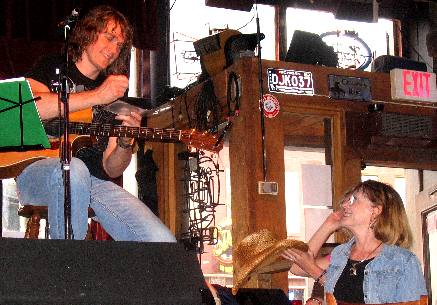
(309, 48)
(97, 272)
(385, 63)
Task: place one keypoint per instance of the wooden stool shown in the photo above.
(35, 213)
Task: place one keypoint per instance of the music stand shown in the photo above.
(21, 128)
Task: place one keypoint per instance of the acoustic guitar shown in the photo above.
(12, 163)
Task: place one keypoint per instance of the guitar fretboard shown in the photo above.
(191, 137)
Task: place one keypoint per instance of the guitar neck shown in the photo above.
(191, 137)
(109, 130)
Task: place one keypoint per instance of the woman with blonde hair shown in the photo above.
(375, 265)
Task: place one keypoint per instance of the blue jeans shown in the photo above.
(121, 214)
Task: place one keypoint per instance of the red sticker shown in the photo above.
(271, 105)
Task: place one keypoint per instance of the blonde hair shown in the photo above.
(391, 225)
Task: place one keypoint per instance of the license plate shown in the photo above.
(290, 81)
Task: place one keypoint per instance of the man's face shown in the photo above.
(105, 49)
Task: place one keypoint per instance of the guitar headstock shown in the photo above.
(202, 140)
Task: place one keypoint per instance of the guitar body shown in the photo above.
(14, 162)
(85, 116)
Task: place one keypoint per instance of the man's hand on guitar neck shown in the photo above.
(132, 120)
(118, 153)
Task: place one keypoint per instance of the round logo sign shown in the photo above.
(352, 51)
(271, 105)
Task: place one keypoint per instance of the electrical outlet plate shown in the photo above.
(267, 188)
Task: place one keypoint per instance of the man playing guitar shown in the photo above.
(99, 49)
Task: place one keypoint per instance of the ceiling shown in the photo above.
(359, 10)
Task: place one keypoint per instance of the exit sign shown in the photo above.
(413, 85)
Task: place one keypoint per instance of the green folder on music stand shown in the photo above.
(20, 125)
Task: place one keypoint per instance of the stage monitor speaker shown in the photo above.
(98, 272)
(309, 48)
(385, 63)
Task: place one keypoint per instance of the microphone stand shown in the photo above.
(65, 151)
(261, 94)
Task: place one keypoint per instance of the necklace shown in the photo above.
(353, 269)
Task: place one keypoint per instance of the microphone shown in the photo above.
(70, 20)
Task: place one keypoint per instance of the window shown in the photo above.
(395, 177)
(12, 224)
(340, 34)
(185, 29)
(307, 199)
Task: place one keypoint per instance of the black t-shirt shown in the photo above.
(44, 71)
(349, 287)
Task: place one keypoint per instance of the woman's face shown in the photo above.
(358, 211)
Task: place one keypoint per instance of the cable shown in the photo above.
(419, 55)
(253, 16)
(173, 4)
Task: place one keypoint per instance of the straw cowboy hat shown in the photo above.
(259, 249)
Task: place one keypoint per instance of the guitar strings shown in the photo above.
(136, 132)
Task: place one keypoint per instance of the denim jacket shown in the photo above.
(395, 275)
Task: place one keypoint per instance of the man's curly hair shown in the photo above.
(93, 23)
